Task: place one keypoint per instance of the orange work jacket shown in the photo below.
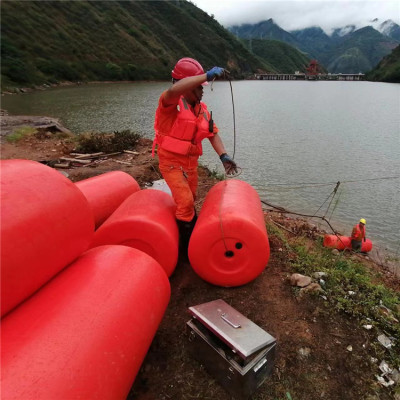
(358, 233)
(186, 133)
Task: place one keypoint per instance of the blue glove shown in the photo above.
(229, 165)
(214, 72)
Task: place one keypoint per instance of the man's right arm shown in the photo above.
(184, 85)
(187, 84)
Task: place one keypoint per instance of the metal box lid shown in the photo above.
(238, 332)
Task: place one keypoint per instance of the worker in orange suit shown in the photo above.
(182, 121)
(358, 235)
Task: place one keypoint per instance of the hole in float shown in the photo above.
(238, 245)
(229, 253)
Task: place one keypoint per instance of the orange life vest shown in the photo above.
(358, 233)
(186, 133)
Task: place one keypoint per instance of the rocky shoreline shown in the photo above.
(10, 123)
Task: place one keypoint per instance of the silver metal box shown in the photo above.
(234, 350)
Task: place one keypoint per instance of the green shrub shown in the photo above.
(94, 142)
(58, 69)
(114, 71)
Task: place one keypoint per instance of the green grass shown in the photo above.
(369, 300)
(215, 174)
(20, 133)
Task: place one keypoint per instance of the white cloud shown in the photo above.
(298, 14)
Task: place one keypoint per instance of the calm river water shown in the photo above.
(294, 140)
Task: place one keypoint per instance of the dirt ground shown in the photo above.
(312, 362)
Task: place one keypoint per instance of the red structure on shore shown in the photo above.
(313, 68)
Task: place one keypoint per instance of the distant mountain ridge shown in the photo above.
(388, 28)
(388, 69)
(53, 41)
(346, 50)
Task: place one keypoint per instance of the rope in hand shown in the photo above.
(228, 78)
(226, 74)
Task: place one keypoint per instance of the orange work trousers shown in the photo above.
(180, 173)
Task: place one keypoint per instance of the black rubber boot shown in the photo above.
(185, 231)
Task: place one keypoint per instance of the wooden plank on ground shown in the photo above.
(75, 160)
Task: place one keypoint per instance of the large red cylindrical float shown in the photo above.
(46, 223)
(85, 334)
(229, 245)
(145, 221)
(106, 192)
(344, 242)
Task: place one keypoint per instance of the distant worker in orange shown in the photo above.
(358, 235)
(182, 121)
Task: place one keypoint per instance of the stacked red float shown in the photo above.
(106, 192)
(77, 323)
(45, 224)
(70, 329)
(85, 334)
(145, 221)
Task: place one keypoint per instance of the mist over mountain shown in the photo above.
(388, 28)
(346, 50)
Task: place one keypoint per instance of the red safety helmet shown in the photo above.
(187, 67)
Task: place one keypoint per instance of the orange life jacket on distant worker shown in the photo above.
(186, 133)
(358, 233)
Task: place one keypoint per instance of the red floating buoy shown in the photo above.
(145, 221)
(344, 242)
(46, 223)
(85, 334)
(229, 245)
(106, 192)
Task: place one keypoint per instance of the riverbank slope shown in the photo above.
(324, 349)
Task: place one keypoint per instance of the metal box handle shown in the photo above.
(232, 324)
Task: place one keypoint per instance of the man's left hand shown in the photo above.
(229, 165)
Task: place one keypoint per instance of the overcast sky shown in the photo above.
(298, 14)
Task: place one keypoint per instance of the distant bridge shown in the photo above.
(310, 77)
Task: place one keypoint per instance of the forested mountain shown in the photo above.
(284, 57)
(359, 51)
(347, 50)
(313, 41)
(388, 70)
(49, 41)
(263, 30)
